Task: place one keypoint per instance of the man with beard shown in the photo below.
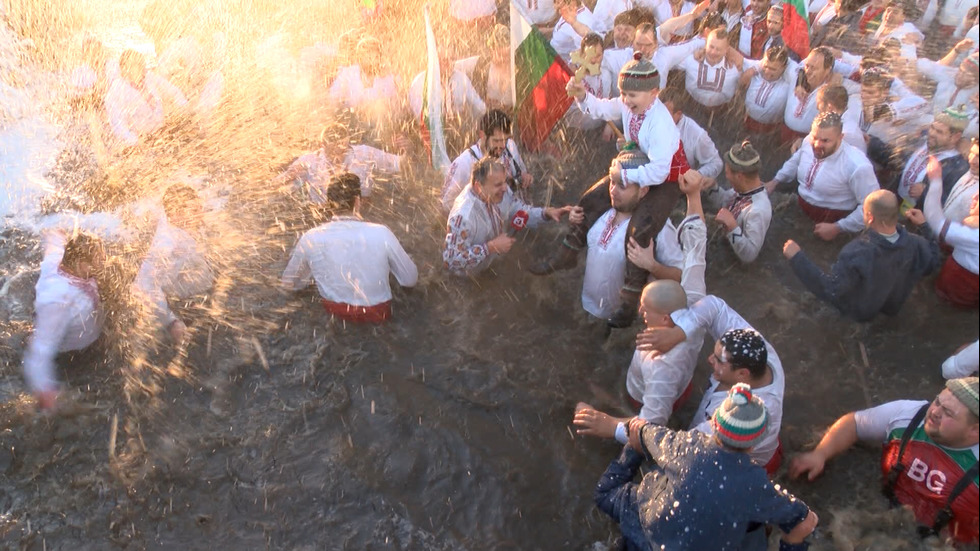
(941, 142)
(649, 126)
(752, 39)
(657, 383)
(876, 271)
(834, 178)
(929, 460)
(477, 231)
(494, 141)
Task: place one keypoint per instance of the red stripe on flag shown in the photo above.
(544, 107)
(796, 31)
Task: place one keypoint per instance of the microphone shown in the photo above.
(517, 223)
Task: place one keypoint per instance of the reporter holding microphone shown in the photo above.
(486, 217)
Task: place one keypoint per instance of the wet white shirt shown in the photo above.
(350, 90)
(67, 315)
(765, 101)
(947, 94)
(133, 114)
(538, 12)
(964, 363)
(964, 239)
(175, 266)
(605, 13)
(658, 380)
(605, 262)
(350, 261)
(799, 114)
(363, 160)
(753, 214)
(709, 84)
(839, 181)
(461, 98)
(701, 152)
(662, 11)
(915, 170)
(461, 170)
(714, 316)
(957, 205)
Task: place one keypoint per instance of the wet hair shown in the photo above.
(82, 248)
(876, 77)
(673, 95)
(778, 54)
(828, 119)
(835, 95)
(343, 191)
(628, 17)
(743, 159)
(716, 24)
(494, 120)
(745, 349)
(647, 28)
(876, 57)
(591, 39)
(483, 168)
(176, 197)
(909, 9)
(826, 54)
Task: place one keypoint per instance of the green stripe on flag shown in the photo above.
(532, 59)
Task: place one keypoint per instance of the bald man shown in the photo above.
(659, 383)
(877, 270)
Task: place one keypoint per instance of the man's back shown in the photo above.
(872, 274)
(701, 496)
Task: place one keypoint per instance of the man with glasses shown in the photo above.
(929, 460)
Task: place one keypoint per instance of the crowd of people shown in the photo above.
(882, 148)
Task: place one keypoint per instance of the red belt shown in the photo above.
(957, 285)
(820, 214)
(755, 127)
(377, 313)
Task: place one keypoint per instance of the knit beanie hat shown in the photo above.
(631, 157)
(965, 390)
(744, 348)
(639, 75)
(743, 157)
(955, 117)
(741, 420)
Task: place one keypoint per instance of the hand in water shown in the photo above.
(591, 422)
(811, 463)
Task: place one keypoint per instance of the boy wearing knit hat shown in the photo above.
(649, 125)
(702, 491)
(929, 461)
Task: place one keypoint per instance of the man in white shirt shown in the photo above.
(659, 383)
(495, 142)
(68, 312)
(954, 85)
(366, 88)
(138, 100)
(960, 198)
(834, 178)
(712, 81)
(574, 22)
(741, 355)
(647, 124)
(941, 142)
(605, 13)
(176, 264)
(314, 169)
(701, 153)
(766, 91)
(806, 78)
(752, 38)
(350, 259)
(485, 217)
(747, 211)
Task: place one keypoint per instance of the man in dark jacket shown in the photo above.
(877, 270)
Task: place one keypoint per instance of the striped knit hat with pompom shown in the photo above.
(639, 75)
(741, 420)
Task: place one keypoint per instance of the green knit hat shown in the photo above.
(965, 390)
(741, 420)
(639, 75)
(955, 117)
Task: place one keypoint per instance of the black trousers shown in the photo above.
(648, 219)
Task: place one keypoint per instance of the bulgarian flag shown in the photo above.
(538, 79)
(432, 104)
(796, 27)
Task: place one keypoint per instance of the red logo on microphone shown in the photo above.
(519, 222)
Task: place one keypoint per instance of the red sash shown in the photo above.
(753, 126)
(820, 214)
(957, 285)
(358, 314)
